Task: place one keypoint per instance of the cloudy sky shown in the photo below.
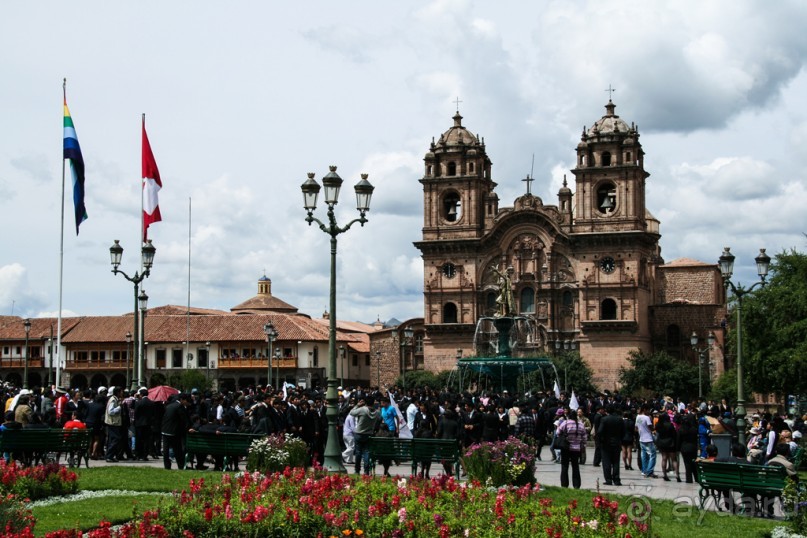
(244, 98)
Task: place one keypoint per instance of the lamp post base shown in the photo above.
(333, 451)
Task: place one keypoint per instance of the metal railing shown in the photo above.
(283, 362)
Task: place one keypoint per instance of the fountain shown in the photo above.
(500, 335)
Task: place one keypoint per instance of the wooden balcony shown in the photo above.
(20, 363)
(97, 365)
(244, 363)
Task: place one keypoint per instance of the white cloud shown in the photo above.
(36, 166)
(55, 314)
(17, 296)
(733, 178)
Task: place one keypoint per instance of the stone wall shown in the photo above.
(701, 284)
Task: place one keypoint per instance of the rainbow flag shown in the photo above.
(72, 151)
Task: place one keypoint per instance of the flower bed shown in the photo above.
(36, 482)
(297, 503)
(19, 485)
(510, 462)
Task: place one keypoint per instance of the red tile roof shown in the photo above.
(178, 310)
(214, 328)
(13, 328)
(265, 302)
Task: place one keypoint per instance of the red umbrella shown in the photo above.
(161, 393)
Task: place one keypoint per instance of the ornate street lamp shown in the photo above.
(129, 362)
(277, 365)
(27, 325)
(143, 302)
(726, 263)
(271, 333)
(147, 252)
(364, 191)
(207, 346)
(703, 354)
(51, 379)
(342, 366)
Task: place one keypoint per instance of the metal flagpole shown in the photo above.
(138, 315)
(61, 260)
(188, 336)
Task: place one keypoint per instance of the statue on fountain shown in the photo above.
(505, 302)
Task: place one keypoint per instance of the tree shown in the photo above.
(573, 375)
(419, 379)
(775, 329)
(725, 386)
(188, 380)
(659, 373)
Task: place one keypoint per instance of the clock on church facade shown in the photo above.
(587, 271)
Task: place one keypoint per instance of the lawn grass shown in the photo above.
(139, 479)
(669, 519)
(87, 513)
(676, 520)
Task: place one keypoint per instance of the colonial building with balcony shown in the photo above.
(231, 348)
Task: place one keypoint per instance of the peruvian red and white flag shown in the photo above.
(151, 186)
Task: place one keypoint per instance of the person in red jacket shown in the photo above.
(61, 405)
(74, 423)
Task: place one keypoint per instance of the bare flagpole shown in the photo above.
(61, 260)
(188, 336)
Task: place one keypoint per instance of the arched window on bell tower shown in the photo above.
(606, 198)
(608, 309)
(606, 158)
(452, 169)
(470, 168)
(451, 207)
(450, 313)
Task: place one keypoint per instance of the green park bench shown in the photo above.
(230, 446)
(752, 482)
(797, 458)
(34, 445)
(418, 450)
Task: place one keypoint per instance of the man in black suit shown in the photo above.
(598, 416)
(610, 432)
(175, 425)
(144, 415)
(472, 424)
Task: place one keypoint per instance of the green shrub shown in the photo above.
(276, 452)
(503, 463)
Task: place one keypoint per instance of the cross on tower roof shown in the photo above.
(529, 181)
(457, 101)
(610, 91)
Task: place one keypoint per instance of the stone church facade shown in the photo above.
(587, 272)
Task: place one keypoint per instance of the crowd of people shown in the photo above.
(131, 426)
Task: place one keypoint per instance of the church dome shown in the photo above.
(457, 135)
(610, 123)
